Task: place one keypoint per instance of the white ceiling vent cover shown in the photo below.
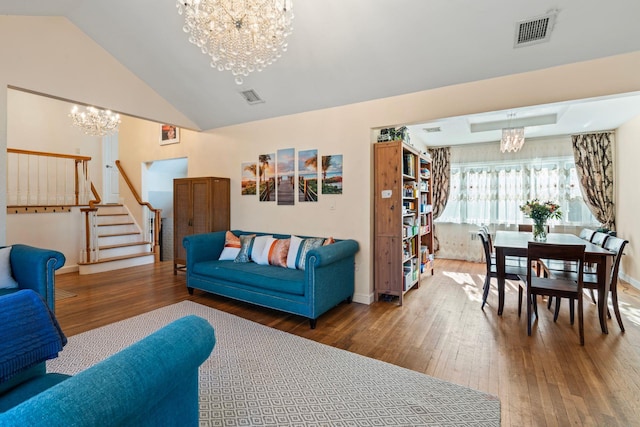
(252, 97)
(534, 30)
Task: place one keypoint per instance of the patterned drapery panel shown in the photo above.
(593, 155)
(441, 178)
(440, 181)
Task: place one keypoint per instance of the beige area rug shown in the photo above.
(259, 376)
(62, 294)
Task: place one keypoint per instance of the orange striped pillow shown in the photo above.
(278, 251)
(231, 247)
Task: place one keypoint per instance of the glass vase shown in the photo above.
(539, 231)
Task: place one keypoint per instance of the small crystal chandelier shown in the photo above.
(95, 122)
(241, 36)
(512, 137)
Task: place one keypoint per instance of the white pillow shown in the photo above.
(6, 278)
(292, 257)
(258, 247)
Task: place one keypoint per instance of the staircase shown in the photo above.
(120, 242)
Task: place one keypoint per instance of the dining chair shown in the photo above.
(587, 234)
(513, 272)
(552, 286)
(599, 238)
(529, 227)
(590, 280)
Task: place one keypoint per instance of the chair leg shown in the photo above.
(485, 290)
(571, 310)
(529, 314)
(616, 309)
(593, 296)
(519, 300)
(580, 319)
(557, 311)
(549, 300)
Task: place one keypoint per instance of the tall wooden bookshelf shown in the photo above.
(403, 237)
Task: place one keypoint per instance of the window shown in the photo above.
(491, 193)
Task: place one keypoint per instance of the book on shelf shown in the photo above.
(408, 164)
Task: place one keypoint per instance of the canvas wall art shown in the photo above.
(285, 173)
(308, 176)
(267, 177)
(332, 174)
(249, 178)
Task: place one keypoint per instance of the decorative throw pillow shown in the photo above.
(258, 247)
(231, 247)
(328, 241)
(262, 256)
(6, 277)
(306, 246)
(246, 243)
(276, 252)
(294, 249)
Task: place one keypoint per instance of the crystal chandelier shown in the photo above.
(95, 122)
(241, 36)
(512, 138)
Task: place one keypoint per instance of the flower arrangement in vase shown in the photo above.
(540, 213)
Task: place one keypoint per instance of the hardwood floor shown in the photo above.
(547, 379)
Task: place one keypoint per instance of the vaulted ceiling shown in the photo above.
(346, 51)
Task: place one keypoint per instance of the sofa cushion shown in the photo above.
(6, 277)
(231, 247)
(278, 251)
(294, 248)
(246, 243)
(259, 276)
(306, 246)
(257, 251)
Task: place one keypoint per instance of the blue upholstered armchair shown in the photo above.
(34, 268)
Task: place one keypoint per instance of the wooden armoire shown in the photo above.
(200, 205)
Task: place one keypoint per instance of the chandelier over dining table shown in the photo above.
(240, 36)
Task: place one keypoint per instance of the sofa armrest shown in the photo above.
(152, 382)
(34, 268)
(203, 247)
(326, 255)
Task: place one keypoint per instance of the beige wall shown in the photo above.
(628, 197)
(70, 56)
(50, 55)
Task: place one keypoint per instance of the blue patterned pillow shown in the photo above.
(306, 246)
(246, 243)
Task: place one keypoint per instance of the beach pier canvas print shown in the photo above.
(332, 174)
(285, 173)
(308, 176)
(267, 177)
(249, 178)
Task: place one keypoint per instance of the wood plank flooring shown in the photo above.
(547, 379)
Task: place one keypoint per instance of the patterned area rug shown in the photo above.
(259, 376)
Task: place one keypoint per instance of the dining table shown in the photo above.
(515, 243)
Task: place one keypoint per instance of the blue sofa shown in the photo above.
(34, 268)
(328, 277)
(151, 383)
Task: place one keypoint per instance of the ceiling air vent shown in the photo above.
(252, 97)
(535, 30)
(432, 129)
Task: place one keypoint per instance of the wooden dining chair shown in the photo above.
(513, 272)
(599, 238)
(552, 286)
(586, 234)
(590, 280)
(529, 228)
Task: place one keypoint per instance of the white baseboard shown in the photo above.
(67, 269)
(363, 298)
(633, 282)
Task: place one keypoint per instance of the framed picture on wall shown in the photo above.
(169, 134)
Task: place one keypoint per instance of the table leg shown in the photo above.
(500, 276)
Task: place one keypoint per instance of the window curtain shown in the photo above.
(440, 181)
(593, 155)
